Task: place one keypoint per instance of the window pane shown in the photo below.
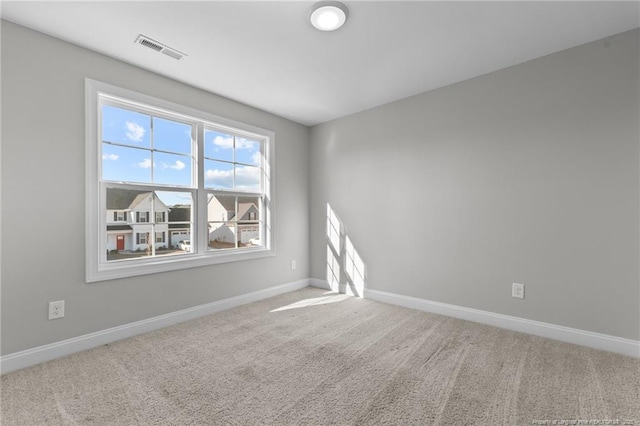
(172, 169)
(125, 127)
(247, 178)
(221, 208)
(249, 234)
(248, 151)
(218, 145)
(222, 235)
(127, 239)
(146, 223)
(248, 209)
(218, 175)
(180, 220)
(171, 136)
(125, 164)
(249, 222)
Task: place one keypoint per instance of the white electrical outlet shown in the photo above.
(56, 309)
(517, 290)
(293, 265)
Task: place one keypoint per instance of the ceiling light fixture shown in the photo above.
(328, 15)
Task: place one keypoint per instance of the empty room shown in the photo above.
(320, 213)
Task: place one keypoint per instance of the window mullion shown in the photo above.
(152, 220)
(235, 141)
(236, 219)
(153, 169)
(200, 226)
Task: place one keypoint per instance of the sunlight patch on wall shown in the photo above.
(333, 229)
(333, 270)
(354, 268)
(342, 255)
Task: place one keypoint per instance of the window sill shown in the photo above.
(125, 269)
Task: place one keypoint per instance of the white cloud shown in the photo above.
(256, 158)
(222, 142)
(145, 164)
(246, 178)
(221, 178)
(241, 143)
(178, 165)
(110, 157)
(135, 132)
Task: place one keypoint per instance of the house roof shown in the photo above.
(180, 214)
(179, 226)
(126, 199)
(243, 208)
(140, 198)
(228, 203)
(121, 199)
(119, 228)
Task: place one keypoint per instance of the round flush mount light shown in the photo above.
(328, 15)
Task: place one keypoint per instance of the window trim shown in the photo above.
(94, 205)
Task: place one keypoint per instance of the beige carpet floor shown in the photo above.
(315, 358)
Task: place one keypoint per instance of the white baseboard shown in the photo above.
(29, 357)
(323, 284)
(557, 332)
(340, 288)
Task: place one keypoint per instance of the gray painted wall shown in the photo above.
(529, 174)
(43, 198)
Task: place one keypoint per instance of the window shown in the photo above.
(142, 217)
(180, 173)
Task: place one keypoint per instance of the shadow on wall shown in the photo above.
(345, 268)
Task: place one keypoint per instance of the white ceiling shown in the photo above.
(267, 54)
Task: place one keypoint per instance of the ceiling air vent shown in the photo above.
(159, 47)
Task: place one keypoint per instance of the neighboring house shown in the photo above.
(222, 215)
(129, 218)
(179, 231)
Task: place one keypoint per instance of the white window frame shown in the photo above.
(142, 217)
(97, 268)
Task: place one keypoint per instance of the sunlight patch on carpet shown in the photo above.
(314, 302)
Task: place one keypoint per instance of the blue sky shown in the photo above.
(221, 146)
(135, 162)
